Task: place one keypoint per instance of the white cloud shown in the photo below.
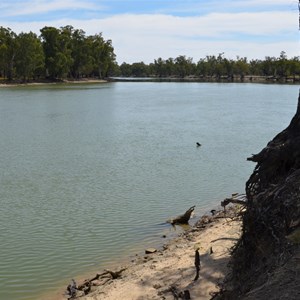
(12, 8)
(146, 37)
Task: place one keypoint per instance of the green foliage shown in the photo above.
(8, 47)
(56, 54)
(183, 66)
(102, 54)
(217, 67)
(67, 52)
(125, 70)
(30, 59)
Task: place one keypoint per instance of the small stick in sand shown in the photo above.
(197, 263)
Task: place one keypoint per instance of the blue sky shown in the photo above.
(143, 30)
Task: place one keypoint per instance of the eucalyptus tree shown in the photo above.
(228, 65)
(115, 70)
(139, 69)
(102, 53)
(202, 68)
(220, 68)
(65, 53)
(151, 69)
(241, 67)
(8, 48)
(30, 58)
(108, 58)
(211, 64)
(283, 66)
(255, 67)
(164, 68)
(57, 49)
(170, 66)
(125, 69)
(81, 57)
(269, 66)
(294, 66)
(160, 67)
(184, 66)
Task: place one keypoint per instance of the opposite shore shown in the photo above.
(46, 82)
(213, 79)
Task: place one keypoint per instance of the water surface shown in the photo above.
(90, 172)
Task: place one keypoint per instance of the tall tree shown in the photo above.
(283, 65)
(241, 67)
(29, 56)
(139, 69)
(160, 67)
(57, 49)
(103, 54)
(79, 53)
(125, 69)
(269, 66)
(8, 47)
(184, 66)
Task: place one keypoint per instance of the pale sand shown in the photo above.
(82, 81)
(151, 276)
(86, 81)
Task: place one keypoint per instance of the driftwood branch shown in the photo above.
(85, 287)
(183, 219)
(226, 201)
(117, 274)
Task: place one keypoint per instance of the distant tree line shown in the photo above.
(55, 54)
(218, 67)
(66, 52)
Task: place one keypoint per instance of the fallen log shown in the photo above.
(226, 201)
(85, 287)
(117, 274)
(182, 219)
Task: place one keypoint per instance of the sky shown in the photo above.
(143, 30)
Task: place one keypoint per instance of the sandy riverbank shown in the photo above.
(37, 83)
(171, 270)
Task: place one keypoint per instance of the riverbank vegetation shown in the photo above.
(55, 54)
(218, 67)
(67, 53)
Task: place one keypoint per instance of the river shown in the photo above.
(90, 172)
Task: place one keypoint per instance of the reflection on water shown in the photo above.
(183, 227)
(88, 172)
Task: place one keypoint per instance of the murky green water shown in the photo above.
(90, 172)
